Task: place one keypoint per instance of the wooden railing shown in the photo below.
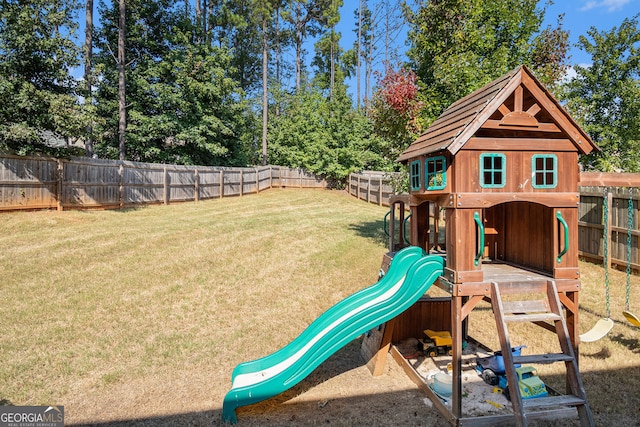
(81, 183)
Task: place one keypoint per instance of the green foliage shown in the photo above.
(459, 45)
(36, 54)
(394, 110)
(605, 97)
(183, 106)
(329, 139)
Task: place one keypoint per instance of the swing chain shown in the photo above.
(629, 227)
(605, 238)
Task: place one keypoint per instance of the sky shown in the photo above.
(579, 16)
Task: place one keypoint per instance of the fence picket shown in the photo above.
(80, 183)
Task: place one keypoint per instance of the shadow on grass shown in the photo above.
(276, 410)
(372, 230)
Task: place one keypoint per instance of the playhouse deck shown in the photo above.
(506, 274)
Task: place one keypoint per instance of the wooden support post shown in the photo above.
(380, 192)
(376, 345)
(257, 181)
(121, 201)
(196, 187)
(392, 228)
(165, 181)
(571, 319)
(59, 184)
(369, 189)
(221, 183)
(457, 331)
(358, 190)
(241, 183)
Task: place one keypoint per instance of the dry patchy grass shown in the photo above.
(139, 316)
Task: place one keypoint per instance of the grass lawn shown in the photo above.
(141, 315)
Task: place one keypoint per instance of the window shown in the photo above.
(493, 170)
(436, 173)
(415, 175)
(544, 169)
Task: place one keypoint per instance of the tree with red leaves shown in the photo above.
(395, 108)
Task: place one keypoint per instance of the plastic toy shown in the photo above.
(529, 383)
(436, 342)
(492, 367)
(492, 371)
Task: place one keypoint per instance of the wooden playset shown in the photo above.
(502, 163)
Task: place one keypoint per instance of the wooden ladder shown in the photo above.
(548, 309)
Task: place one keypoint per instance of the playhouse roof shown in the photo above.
(462, 119)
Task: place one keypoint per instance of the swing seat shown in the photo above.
(599, 330)
(631, 318)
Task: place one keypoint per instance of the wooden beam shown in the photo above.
(517, 99)
(534, 109)
(520, 144)
(504, 109)
(602, 179)
(540, 127)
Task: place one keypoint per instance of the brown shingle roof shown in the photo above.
(464, 117)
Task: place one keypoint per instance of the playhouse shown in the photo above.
(502, 164)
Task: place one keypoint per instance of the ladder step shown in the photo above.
(539, 317)
(546, 402)
(542, 358)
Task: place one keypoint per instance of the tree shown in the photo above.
(328, 138)
(36, 53)
(122, 101)
(88, 71)
(395, 108)
(306, 17)
(182, 104)
(459, 45)
(605, 96)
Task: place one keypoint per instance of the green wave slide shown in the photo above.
(410, 275)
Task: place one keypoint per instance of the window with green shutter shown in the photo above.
(416, 174)
(436, 173)
(493, 170)
(544, 171)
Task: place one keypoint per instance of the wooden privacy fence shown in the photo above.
(372, 186)
(79, 183)
(619, 208)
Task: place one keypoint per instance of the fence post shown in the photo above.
(608, 225)
(241, 182)
(165, 182)
(121, 184)
(358, 189)
(257, 181)
(60, 183)
(221, 183)
(380, 192)
(369, 189)
(299, 178)
(196, 183)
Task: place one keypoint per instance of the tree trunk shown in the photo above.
(122, 106)
(278, 53)
(88, 65)
(358, 52)
(333, 64)
(298, 37)
(265, 93)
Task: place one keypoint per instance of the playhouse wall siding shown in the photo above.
(427, 313)
(466, 175)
